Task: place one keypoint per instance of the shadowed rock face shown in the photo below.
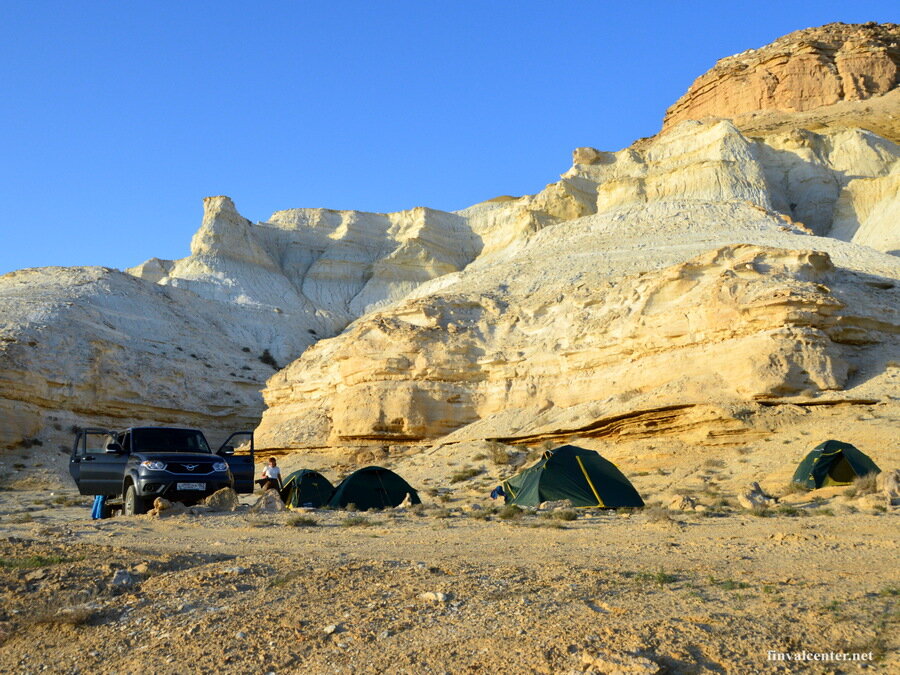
(802, 71)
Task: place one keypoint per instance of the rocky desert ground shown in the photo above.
(465, 584)
(702, 307)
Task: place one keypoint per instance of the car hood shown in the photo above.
(182, 457)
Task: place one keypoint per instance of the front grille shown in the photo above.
(189, 468)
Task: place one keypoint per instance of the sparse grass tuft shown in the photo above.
(789, 511)
(889, 592)
(69, 500)
(714, 463)
(32, 561)
(77, 615)
(657, 513)
(302, 521)
(660, 578)
(254, 520)
(728, 584)
(793, 488)
(499, 454)
(760, 511)
(823, 512)
(545, 522)
(510, 512)
(356, 521)
(464, 474)
(564, 514)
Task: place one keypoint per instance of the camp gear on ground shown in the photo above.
(579, 475)
(497, 492)
(833, 463)
(306, 488)
(373, 488)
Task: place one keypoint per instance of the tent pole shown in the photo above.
(593, 489)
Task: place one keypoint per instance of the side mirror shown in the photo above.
(113, 449)
(226, 450)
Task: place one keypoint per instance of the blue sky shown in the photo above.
(117, 118)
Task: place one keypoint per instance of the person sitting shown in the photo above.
(271, 476)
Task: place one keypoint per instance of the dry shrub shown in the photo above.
(510, 512)
(499, 454)
(657, 513)
(302, 521)
(863, 485)
(464, 474)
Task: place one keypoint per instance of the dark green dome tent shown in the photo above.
(833, 463)
(306, 488)
(372, 488)
(579, 475)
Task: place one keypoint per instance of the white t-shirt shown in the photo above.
(272, 472)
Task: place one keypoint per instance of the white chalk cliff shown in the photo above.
(713, 264)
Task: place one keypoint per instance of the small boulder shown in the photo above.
(589, 156)
(755, 497)
(555, 505)
(161, 504)
(122, 579)
(269, 502)
(683, 503)
(888, 483)
(163, 508)
(225, 499)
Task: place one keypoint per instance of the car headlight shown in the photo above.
(153, 465)
(220, 466)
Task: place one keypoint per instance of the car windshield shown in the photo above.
(168, 440)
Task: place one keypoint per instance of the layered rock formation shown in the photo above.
(191, 341)
(717, 264)
(803, 71)
(589, 321)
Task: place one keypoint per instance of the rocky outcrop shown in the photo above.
(837, 183)
(191, 341)
(737, 323)
(802, 71)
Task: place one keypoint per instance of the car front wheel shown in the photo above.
(134, 505)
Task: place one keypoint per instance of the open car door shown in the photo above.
(97, 462)
(239, 453)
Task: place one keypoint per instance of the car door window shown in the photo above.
(95, 444)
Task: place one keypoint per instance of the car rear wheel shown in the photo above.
(134, 505)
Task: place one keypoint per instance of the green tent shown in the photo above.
(372, 488)
(569, 472)
(306, 488)
(833, 463)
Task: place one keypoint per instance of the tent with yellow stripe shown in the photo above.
(577, 474)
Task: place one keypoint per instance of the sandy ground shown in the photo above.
(456, 586)
(250, 593)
